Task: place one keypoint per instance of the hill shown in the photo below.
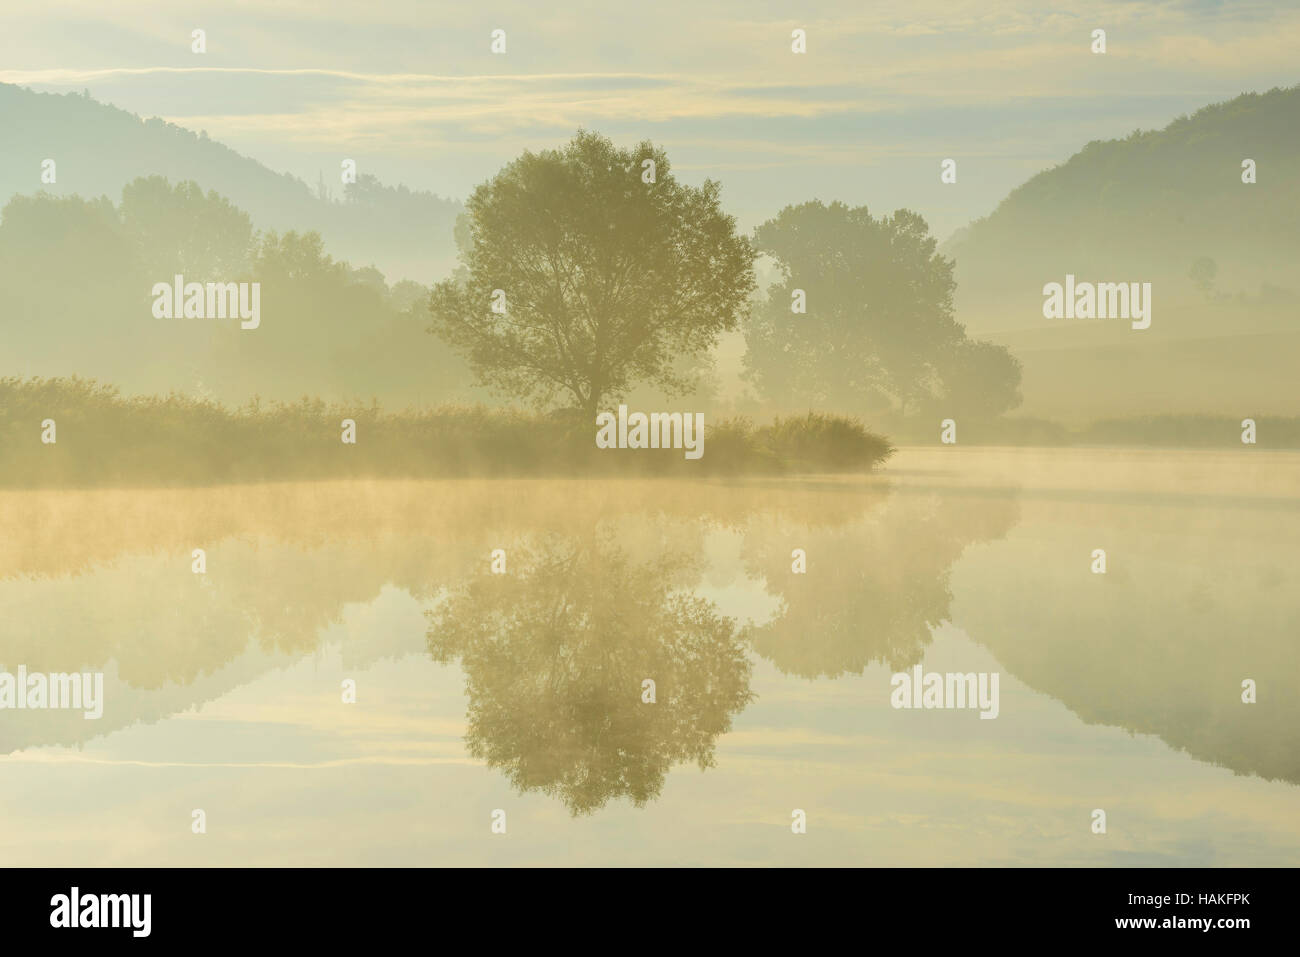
(98, 149)
(1167, 207)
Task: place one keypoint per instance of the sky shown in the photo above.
(886, 90)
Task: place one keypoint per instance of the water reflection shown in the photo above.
(875, 587)
(611, 583)
(555, 654)
(102, 581)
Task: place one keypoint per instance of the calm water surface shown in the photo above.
(522, 691)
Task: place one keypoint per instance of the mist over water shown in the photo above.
(523, 691)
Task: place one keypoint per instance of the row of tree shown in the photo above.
(591, 269)
(586, 273)
(75, 299)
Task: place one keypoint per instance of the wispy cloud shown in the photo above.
(413, 86)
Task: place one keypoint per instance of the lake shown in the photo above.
(524, 692)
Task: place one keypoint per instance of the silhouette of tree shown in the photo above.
(878, 336)
(1202, 273)
(879, 306)
(609, 281)
(979, 379)
(182, 229)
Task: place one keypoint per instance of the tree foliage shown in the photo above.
(609, 281)
(878, 336)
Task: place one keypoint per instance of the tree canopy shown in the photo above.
(605, 272)
(877, 335)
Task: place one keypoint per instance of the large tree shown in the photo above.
(607, 280)
(179, 228)
(878, 335)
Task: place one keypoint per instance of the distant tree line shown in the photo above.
(585, 273)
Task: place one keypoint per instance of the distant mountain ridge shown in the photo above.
(99, 148)
(1145, 207)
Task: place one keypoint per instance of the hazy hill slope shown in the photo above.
(1224, 337)
(1144, 208)
(99, 148)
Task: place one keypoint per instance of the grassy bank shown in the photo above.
(1150, 431)
(106, 439)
